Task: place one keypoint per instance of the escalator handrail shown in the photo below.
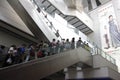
(45, 15)
(112, 60)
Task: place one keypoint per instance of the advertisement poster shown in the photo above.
(109, 31)
(116, 5)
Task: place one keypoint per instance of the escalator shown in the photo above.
(40, 68)
(37, 69)
(37, 22)
(46, 66)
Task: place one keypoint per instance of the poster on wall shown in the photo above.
(110, 31)
(116, 5)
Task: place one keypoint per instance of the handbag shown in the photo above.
(39, 54)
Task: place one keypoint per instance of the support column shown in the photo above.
(72, 73)
(89, 5)
(94, 5)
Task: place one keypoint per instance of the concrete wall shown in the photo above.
(90, 73)
(87, 73)
(115, 75)
(8, 15)
(95, 36)
(99, 61)
(7, 39)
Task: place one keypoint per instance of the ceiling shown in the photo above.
(73, 20)
(10, 16)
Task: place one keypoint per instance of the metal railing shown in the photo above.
(105, 55)
(57, 49)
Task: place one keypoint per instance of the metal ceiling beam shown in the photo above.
(59, 13)
(75, 22)
(65, 17)
(83, 28)
(71, 19)
(62, 15)
(53, 11)
(47, 7)
(79, 25)
(43, 1)
(88, 31)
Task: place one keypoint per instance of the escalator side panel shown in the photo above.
(30, 23)
(36, 69)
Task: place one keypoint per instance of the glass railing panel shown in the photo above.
(103, 54)
(108, 58)
(53, 50)
(58, 50)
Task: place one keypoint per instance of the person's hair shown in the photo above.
(67, 40)
(53, 39)
(73, 39)
(79, 37)
(2, 46)
(110, 16)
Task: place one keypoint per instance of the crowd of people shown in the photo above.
(25, 53)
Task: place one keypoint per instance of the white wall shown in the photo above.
(7, 39)
(95, 36)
